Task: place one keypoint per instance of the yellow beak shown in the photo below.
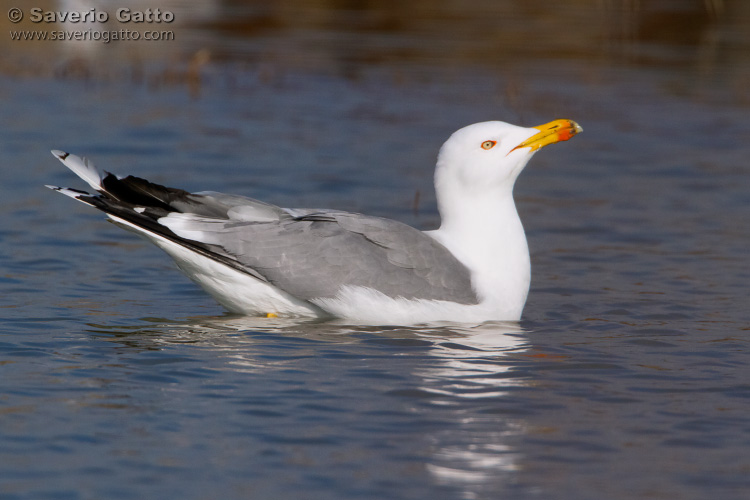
(550, 133)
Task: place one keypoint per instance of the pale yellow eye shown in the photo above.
(488, 144)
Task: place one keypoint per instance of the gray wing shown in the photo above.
(308, 253)
(312, 256)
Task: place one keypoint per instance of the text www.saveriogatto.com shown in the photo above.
(97, 19)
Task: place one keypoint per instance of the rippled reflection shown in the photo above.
(473, 366)
(470, 357)
(461, 375)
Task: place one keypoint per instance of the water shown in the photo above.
(627, 377)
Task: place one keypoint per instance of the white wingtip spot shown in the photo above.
(81, 167)
(140, 210)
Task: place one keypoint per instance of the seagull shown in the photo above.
(259, 259)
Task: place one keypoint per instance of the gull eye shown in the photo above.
(488, 144)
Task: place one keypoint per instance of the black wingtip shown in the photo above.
(60, 154)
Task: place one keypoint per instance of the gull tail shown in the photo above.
(83, 169)
(128, 190)
(139, 206)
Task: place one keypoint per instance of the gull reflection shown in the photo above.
(474, 369)
(461, 378)
(468, 358)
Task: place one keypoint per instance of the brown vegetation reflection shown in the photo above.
(338, 34)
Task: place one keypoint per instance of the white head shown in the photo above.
(490, 155)
(476, 170)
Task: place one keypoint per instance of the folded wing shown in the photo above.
(309, 254)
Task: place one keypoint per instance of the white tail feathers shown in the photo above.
(82, 167)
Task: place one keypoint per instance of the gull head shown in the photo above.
(489, 155)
